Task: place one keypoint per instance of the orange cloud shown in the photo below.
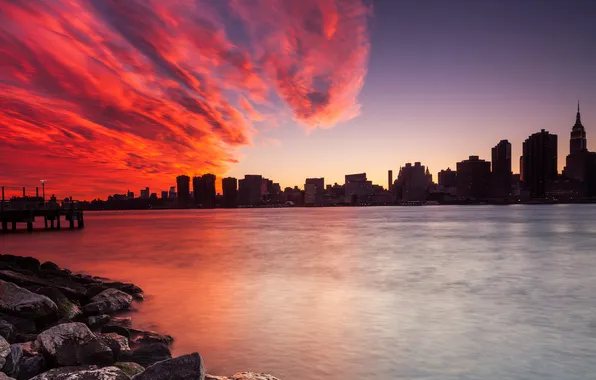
(99, 96)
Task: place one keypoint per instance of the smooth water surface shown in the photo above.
(477, 292)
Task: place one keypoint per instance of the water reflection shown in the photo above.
(349, 293)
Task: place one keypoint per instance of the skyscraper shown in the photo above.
(473, 178)
(448, 178)
(197, 190)
(208, 190)
(319, 189)
(357, 188)
(249, 190)
(539, 162)
(576, 162)
(412, 183)
(500, 184)
(183, 185)
(389, 180)
(230, 192)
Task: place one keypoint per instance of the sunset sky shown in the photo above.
(102, 96)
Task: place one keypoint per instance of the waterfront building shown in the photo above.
(230, 192)
(319, 190)
(580, 164)
(357, 188)
(310, 191)
(448, 178)
(145, 193)
(183, 185)
(500, 184)
(208, 190)
(250, 190)
(412, 183)
(539, 162)
(164, 195)
(473, 178)
(389, 180)
(172, 194)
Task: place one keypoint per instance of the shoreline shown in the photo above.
(57, 325)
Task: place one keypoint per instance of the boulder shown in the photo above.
(19, 301)
(187, 367)
(83, 373)
(27, 348)
(24, 338)
(49, 266)
(70, 288)
(96, 321)
(147, 355)
(144, 337)
(108, 301)
(4, 351)
(117, 343)
(72, 344)
(121, 321)
(4, 376)
(129, 368)
(243, 376)
(31, 366)
(22, 325)
(116, 329)
(95, 289)
(66, 309)
(27, 263)
(7, 331)
(131, 289)
(13, 361)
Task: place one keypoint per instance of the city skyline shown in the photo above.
(377, 87)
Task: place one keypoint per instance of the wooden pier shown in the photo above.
(52, 213)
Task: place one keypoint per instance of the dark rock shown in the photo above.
(31, 366)
(147, 355)
(22, 325)
(24, 338)
(49, 266)
(121, 321)
(19, 301)
(4, 376)
(7, 331)
(27, 263)
(187, 367)
(129, 368)
(83, 373)
(98, 320)
(70, 288)
(85, 279)
(66, 309)
(71, 344)
(145, 337)
(4, 351)
(116, 329)
(243, 376)
(117, 343)
(131, 289)
(13, 361)
(108, 301)
(95, 289)
(27, 348)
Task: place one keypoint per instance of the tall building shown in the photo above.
(172, 194)
(208, 190)
(145, 193)
(389, 180)
(319, 190)
(164, 195)
(197, 190)
(357, 188)
(310, 192)
(576, 162)
(412, 183)
(473, 178)
(183, 185)
(230, 192)
(250, 190)
(539, 162)
(448, 178)
(500, 184)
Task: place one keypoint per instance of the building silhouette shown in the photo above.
(539, 163)
(412, 183)
(208, 191)
(576, 163)
(357, 188)
(314, 191)
(230, 192)
(197, 190)
(473, 178)
(183, 186)
(448, 178)
(389, 180)
(250, 190)
(500, 184)
(144, 193)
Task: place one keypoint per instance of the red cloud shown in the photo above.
(98, 96)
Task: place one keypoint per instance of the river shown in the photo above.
(438, 292)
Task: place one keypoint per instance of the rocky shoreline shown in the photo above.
(57, 325)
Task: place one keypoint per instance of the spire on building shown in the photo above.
(578, 121)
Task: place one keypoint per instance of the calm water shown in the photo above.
(356, 293)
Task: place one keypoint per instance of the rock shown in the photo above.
(27, 348)
(70, 288)
(131, 289)
(145, 337)
(121, 321)
(85, 279)
(66, 309)
(243, 376)
(23, 338)
(4, 376)
(71, 344)
(22, 325)
(116, 329)
(95, 289)
(31, 366)
(147, 355)
(16, 300)
(4, 351)
(117, 343)
(187, 367)
(7, 331)
(13, 361)
(129, 368)
(49, 266)
(108, 301)
(28, 263)
(82, 373)
(95, 321)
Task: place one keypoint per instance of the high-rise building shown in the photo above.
(310, 192)
(230, 192)
(448, 178)
(473, 178)
(539, 162)
(197, 190)
(389, 180)
(357, 188)
(130, 195)
(164, 195)
(250, 190)
(319, 190)
(412, 183)
(576, 162)
(208, 189)
(500, 184)
(183, 185)
(172, 194)
(145, 193)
